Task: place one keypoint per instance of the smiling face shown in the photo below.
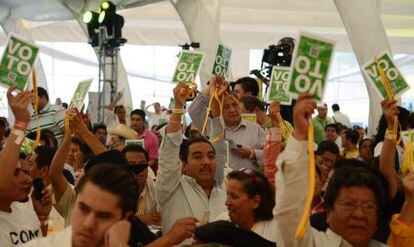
(201, 163)
(240, 207)
(94, 212)
(231, 111)
(354, 215)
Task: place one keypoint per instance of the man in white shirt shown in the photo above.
(340, 117)
(158, 116)
(355, 197)
(18, 222)
(190, 189)
(137, 158)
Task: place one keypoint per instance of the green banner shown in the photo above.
(142, 105)
(278, 86)
(139, 142)
(397, 82)
(80, 94)
(222, 61)
(309, 71)
(17, 62)
(188, 66)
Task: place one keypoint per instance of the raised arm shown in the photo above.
(198, 108)
(113, 103)
(169, 169)
(57, 179)
(387, 157)
(80, 129)
(292, 176)
(9, 155)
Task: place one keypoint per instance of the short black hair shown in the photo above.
(98, 126)
(335, 107)
(44, 156)
(327, 146)
(135, 148)
(185, 146)
(248, 84)
(251, 102)
(45, 135)
(109, 157)
(332, 125)
(139, 112)
(42, 92)
(352, 135)
(116, 109)
(116, 180)
(355, 175)
(255, 183)
(76, 141)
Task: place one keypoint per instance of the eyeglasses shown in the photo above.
(349, 206)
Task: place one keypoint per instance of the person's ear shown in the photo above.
(256, 201)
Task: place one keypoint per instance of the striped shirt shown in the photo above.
(51, 118)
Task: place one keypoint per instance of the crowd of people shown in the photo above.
(145, 178)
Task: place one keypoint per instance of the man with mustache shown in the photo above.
(193, 188)
(18, 222)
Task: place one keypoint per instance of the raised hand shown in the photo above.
(19, 104)
(389, 109)
(219, 84)
(180, 94)
(44, 206)
(274, 108)
(181, 230)
(302, 112)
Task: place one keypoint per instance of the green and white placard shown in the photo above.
(142, 105)
(397, 81)
(17, 62)
(222, 61)
(249, 117)
(278, 86)
(188, 66)
(310, 66)
(80, 94)
(139, 142)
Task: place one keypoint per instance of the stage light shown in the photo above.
(105, 5)
(101, 17)
(90, 17)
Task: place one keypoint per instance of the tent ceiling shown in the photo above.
(244, 23)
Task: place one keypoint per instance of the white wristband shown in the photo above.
(19, 134)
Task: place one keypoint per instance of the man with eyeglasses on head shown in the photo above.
(137, 158)
(355, 197)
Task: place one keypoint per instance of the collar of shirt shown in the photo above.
(241, 124)
(144, 134)
(194, 183)
(335, 239)
(144, 191)
(46, 108)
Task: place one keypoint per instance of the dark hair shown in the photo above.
(3, 123)
(248, 84)
(354, 175)
(135, 148)
(251, 102)
(335, 107)
(365, 140)
(255, 183)
(76, 141)
(45, 135)
(332, 125)
(185, 146)
(139, 112)
(44, 156)
(352, 135)
(96, 127)
(403, 119)
(109, 157)
(65, 105)
(114, 179)
(327, 146)
(42, 92)
(318, 171)
(116, 109)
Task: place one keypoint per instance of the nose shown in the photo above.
(90, 222)
(358, 213)
(227, 202)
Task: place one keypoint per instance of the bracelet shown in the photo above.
(178, 111)
(19, 134)
(21, 125)
(44, 220)
(389, 135)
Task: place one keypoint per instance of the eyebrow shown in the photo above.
(99, 213)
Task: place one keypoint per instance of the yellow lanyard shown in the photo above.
(311, 185)
(284, 129)
(141, 206)
(408, 165)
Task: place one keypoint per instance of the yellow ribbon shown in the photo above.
(390, 94)
(68, 130)
(36, 110)
(284, 129)
(408, 165)
(311, 185)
